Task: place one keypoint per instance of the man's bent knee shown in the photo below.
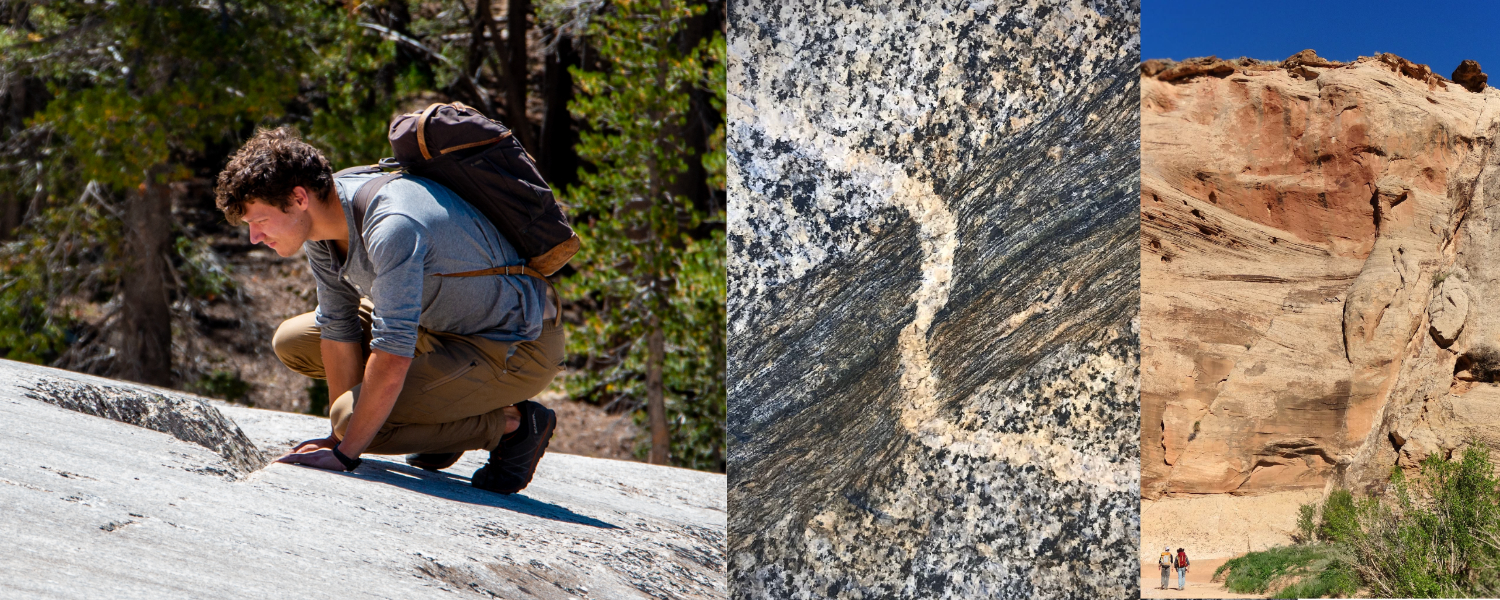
(341, 411)
(299, 346)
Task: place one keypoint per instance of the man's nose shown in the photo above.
(255, 235)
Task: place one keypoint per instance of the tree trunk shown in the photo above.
(557, 157)
(145, 318)
(656, 405)
(517, 23)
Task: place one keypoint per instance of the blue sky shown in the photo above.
(1439, 34)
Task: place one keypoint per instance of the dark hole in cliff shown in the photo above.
(1197, 214)
(1274, 240)
(1155, 244)
(1207, 230)
(1482, 364)
(1166, 258)
(1212, 197)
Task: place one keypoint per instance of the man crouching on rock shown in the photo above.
(419, 364)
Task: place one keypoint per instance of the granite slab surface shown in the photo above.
(98, 508)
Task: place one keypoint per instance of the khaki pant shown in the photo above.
(454, 391)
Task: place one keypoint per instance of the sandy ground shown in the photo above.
(1220, 525)
(1198, 584)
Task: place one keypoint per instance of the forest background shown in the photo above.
(115, 117)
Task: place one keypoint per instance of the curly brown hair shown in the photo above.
(266, 169)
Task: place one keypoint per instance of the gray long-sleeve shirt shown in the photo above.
(413, 230)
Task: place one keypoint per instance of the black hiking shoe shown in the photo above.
(514, 461)
(435, 461)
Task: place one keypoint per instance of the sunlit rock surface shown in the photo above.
(933, 291)
(96, 508)
(1319, 273)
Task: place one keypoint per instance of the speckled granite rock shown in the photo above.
(933, 293)
(181, 416)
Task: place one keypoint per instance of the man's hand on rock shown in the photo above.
(317, 444)
(322, 459)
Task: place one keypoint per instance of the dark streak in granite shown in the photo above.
(984, 450)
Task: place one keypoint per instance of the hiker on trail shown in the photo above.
(1165, 561)
(418, 361)
(1181, 562)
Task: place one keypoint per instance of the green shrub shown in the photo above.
(225, 385)
(1440, 537)
(1253, 573)
(317, 398)
(1307, 523)
(1335, 578)
(204, 273)
(1340, 522)
(1437, 535)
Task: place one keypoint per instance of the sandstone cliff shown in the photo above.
(183, 507)
(932, 294)
(1319, 271)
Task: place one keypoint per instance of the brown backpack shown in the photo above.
(484, 164)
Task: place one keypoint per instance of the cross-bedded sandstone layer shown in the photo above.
(1319, 271)
(933, 291)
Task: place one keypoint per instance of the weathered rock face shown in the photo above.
(1317, 262)
(100, 509)
(185, 418)
(933, 291)
(1470, 76)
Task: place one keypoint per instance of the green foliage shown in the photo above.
(170, 87)
(1323, 579)
(30, 330)
(66, 250)
(1254, 573)
(641, 262)
(1440, 537)
(225, 385)
(1340, 522)
(317, 398)
(204, 274)
(160, 92)
(1436, 535)
(1300, 571)
(354, 67)
(138, 92)
(1307, 524)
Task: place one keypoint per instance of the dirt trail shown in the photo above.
(1198, 582)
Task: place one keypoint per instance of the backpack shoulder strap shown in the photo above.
(366, 193)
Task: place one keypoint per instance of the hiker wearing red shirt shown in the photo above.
(1181, 562)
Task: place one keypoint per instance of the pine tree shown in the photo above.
(138, 91)
(653, 270)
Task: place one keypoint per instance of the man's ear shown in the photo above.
(301, 197)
